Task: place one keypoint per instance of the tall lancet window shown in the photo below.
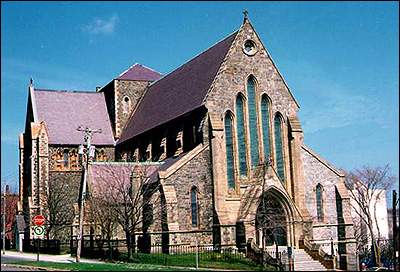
(241, 135)
(251, 93)
(265, 126)
(229, 151)
(194, 207)
(279, 147)
(320, 202)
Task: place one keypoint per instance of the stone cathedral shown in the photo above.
(223, 135)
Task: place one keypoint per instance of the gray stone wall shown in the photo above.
(229, 82)
(196, 172)
(316, 172)
(134, 91)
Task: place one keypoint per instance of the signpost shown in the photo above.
(38, 220)
(38, 230)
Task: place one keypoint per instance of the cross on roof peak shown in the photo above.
(245, 13)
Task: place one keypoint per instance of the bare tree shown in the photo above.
(11, 211)
(59, 199)
(103, 217)
(366, 186)
(127, 191)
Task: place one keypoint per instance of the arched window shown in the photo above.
(251, 93)
(279, 147)
(320, 202)
(194, 207)
(73, 158)
(265, 126)
(126, 104)
(229, 151)
(65, 158)
(241, 136)
(101, 155)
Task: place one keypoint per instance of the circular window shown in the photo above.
(249, 47)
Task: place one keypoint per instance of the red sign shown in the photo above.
(38, 220)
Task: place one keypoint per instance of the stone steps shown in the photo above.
(304, 262)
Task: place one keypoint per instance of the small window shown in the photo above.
(126, 104)
(194, 207)
(320, 202)
(66, 158)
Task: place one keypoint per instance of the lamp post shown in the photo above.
(87, 155)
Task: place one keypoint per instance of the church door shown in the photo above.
(271, 221)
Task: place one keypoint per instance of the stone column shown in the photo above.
(136, 154)
(298, 172)
(179, 141)
(148, 152)
(163, 148)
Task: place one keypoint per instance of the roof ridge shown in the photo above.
(63, 91)
(192, 59)
(136, 63)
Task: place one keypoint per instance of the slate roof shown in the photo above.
(114, 175)
(179, 92)
(65, 111)
(139, 72)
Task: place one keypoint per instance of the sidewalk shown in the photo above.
(66, 258)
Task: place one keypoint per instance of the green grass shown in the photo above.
(207, 260)
(97, 267)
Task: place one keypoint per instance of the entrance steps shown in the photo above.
(302, 260)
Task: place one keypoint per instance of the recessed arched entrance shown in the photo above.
(272, 220)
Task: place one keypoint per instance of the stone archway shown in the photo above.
(273, 220)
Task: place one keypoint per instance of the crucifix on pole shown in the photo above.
(87, 154)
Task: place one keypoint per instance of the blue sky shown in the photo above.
(340, 60)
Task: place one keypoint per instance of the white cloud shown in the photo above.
(327, 103)
(101, 26)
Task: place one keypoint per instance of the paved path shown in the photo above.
(66, 258)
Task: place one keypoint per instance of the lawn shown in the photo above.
(98, 267)
(206, 260)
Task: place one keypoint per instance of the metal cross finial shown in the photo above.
(245, 13)
(31, 81)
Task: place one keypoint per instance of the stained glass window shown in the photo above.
(229, 150)
(265, 126)
(279, 148)
(194, 206)
(320, 204)
(241, 136)
(251, 93)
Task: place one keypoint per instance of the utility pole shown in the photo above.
(394, 228)
(87, 155)
(4, 219)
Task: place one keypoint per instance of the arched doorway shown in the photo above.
(271, 221)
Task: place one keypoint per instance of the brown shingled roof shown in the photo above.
(179, 92)
(65, 111)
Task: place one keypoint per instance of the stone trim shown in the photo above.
(324, 162)
(181, 162)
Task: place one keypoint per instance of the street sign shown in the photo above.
(38, 220)
(38, 232)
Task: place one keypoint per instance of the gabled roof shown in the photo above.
(139, 72)
(179, 92)
(65, 111)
